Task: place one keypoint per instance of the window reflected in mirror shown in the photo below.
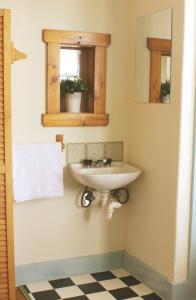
(153, 57)
(69, 63)
(78, 63)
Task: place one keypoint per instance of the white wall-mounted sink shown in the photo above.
(119, 174)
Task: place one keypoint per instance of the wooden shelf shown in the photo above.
(73, 120)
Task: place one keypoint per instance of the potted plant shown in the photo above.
(72, 90)
(165, 91)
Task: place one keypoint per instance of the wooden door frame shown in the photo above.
(7, 168)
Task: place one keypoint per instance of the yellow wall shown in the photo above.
(152, 142)
(56, 228)
(52, 229)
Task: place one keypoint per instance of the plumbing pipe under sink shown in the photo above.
(110, 208)
(104, 196)
(109, 204)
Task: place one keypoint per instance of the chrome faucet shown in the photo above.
(87, 163)
(105, 162)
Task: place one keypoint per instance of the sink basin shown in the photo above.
(117, 175)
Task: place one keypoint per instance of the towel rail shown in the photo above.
(60, 138)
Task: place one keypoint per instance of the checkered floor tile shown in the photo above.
(110, 285)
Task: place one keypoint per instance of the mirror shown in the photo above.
(69, 63)
(153, 57)
(80, 100)
(78, 63)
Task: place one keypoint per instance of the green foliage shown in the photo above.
(72, 85)
(165, 88)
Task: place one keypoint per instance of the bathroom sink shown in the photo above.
(117, 175)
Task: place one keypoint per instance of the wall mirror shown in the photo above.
(153, 57)
(76, 70)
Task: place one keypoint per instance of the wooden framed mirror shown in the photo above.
(88, 52)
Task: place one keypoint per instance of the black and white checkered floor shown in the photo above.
(110, 285)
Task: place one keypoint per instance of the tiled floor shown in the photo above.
(115, 284)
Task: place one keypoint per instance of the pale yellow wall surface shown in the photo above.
(56, 228)
(152, 142)
(52, 229)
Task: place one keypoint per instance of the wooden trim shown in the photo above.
(19, 295)
(95, 58)
(100, 79)
(162, 45)
(155, 77)
(53, 78)
(2, 169)
(158, 48)
(72, 120)
(17, 55)
(60, 139)
(8, 153)
(87, 72)
(76, 38)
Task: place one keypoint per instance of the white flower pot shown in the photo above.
(73, 102)
(166, 99)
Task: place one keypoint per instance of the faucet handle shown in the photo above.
(104, 162)
(108, 161)
(98, 163)
(87, 162)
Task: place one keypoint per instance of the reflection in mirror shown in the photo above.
(78, 62)
(165, 78)
(153, 57)
(69, 63)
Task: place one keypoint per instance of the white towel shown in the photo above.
(37, 171)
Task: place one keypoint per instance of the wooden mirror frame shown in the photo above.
(158, 48)
(55, 39)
